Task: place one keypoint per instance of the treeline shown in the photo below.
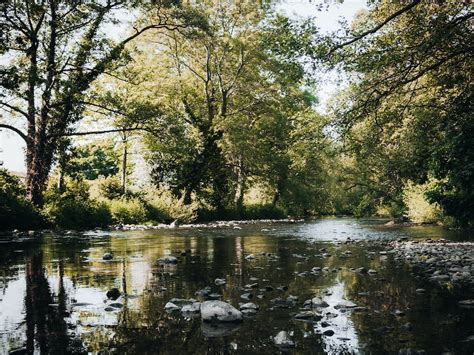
(218, 99)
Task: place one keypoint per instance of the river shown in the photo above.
(53, 291)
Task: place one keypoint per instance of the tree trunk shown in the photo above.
(124, 164)
(37, 171)
(240, 186)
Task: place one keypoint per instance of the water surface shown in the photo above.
(53, 291)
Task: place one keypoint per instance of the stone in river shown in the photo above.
(372, 271)
(250, 257)
(107, 256)
(219, 282)
(168, 259)
(328, 332)
(170, 306)
(282, 339)
(420, 290)
(399, 313)
(113, 294)
(246, 296)
(219, 311)
(345, 304)
(466, 303)
(249, 305)
(318, 302)
(192, 308)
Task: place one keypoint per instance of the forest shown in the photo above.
(154, 111)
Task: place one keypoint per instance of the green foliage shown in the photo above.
(92, 161)
(163, 206)
(128, 211)
(15, 210)
(407, 112)
(73, 208)
(110, 187)
(418, 207)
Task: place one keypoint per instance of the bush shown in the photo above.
(15, 210)
(419, 209)
(110, 187)
(128, 211)
(248, 212)
(164, 207)
(73, 208)
(263, 211)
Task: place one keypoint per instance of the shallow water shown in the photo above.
(53, 291)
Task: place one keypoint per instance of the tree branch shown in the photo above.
(376, 28)
(16, 130)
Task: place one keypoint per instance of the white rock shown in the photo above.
(219, 282)
(219, 311)
(170, 306)
(283, 339)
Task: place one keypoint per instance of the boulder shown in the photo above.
(282, 339)
(219, 311)
(107, 256)
(113, 294)
(168, 259)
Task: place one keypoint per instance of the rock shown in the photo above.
(107, 256)
(318, 302)
(372, 271)
(345, 304)
(254, 285)
(420, 290)
(116, 305)
(268, 288)
(407, 326)
(282, 339)
(308, 316)
(250, 257)
(113, 294)
(219, 311)
(182, 301)
(361, 270)
(170, 306)
(168, 259)
(214, 296)
(399, 313)
(246, 296)
(192, 308)
(328, 332)
(324, 324)
(204, 292)
(249, 305)
(466, 303)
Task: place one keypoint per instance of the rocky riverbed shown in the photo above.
(442, 262)
(331, 286)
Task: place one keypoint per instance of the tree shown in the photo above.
(54, 50)
(227, 97)
(407, 112)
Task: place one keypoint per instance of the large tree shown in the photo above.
(408, 111)
(52, 51)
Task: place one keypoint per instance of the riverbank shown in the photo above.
(446, 263)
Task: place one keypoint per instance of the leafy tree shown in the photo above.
(53, 51)
(407, 113)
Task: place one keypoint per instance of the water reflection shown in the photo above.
(53, 292)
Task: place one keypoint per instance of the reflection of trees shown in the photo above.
(46, 328)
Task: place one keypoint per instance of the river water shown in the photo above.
(53, 291)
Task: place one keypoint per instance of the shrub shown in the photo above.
(15, 210)
(129, 211)
(263, 211)
(73, 208)
(110, 187)
(164, 207)
(419, 209)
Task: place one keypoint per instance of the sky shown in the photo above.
(12, 147)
